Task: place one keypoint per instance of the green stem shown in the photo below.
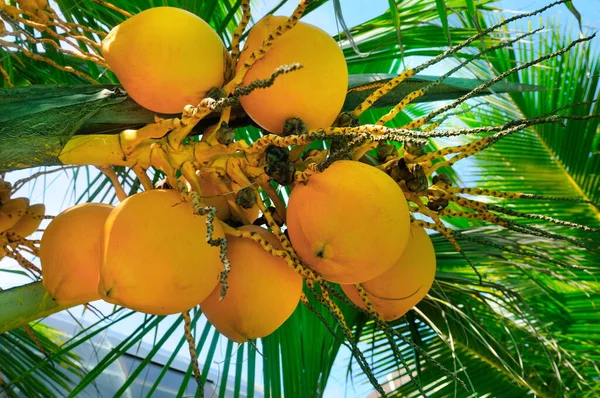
(23, 304)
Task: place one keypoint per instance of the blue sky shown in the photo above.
(355, 11)
(59, 195)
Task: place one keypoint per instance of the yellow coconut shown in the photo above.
(70, 253)
(211, 196)
(11, 211)
(314, 94)
(350, 223)
(28, 223)
(156, 259)
(28, 5)
(166, 58)
(263, 290)
(400, 288)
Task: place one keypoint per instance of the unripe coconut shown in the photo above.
(28, 5)
(349, 223)
(70, 253)
(156, 259)
(166, 58)
(28, 223)
(400, 288)
(315, 93)
(11, 211)
(263, 290)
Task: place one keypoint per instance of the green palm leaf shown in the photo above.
(491, 332)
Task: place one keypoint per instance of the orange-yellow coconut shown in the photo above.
(211, 195)
(350, 223)
(263, 290)
(28, 223)
(11, 211)
(220, 199)
(166, 58)
(156, 259)
(70, 253)
(314, 94)
(405, 284)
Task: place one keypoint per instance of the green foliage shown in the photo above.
(20, 351)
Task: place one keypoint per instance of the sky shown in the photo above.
(58, 193)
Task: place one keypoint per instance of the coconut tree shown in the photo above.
(510, 118)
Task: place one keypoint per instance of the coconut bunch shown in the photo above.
(149, 253)
(186, 61)
(18, 220)
(162, 252)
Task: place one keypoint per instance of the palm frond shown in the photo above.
(508, 334)
(23, 349)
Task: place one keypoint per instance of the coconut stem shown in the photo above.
(187, 331)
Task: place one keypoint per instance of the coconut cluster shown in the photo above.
(167, 58)
(153, 253)
(18, 219)
(351, 224)
(150, 253)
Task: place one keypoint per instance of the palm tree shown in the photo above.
(512, 313)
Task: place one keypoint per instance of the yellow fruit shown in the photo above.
(166, 58)
(3, 244)
(11, 212)
(211, 195)
(28, 223)
(263, 290)
(214, 197)
(349, 223)
(400, 288)
(314, 93)
(5, 187)
(28, 5)
(70, 253)
(156, 258)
